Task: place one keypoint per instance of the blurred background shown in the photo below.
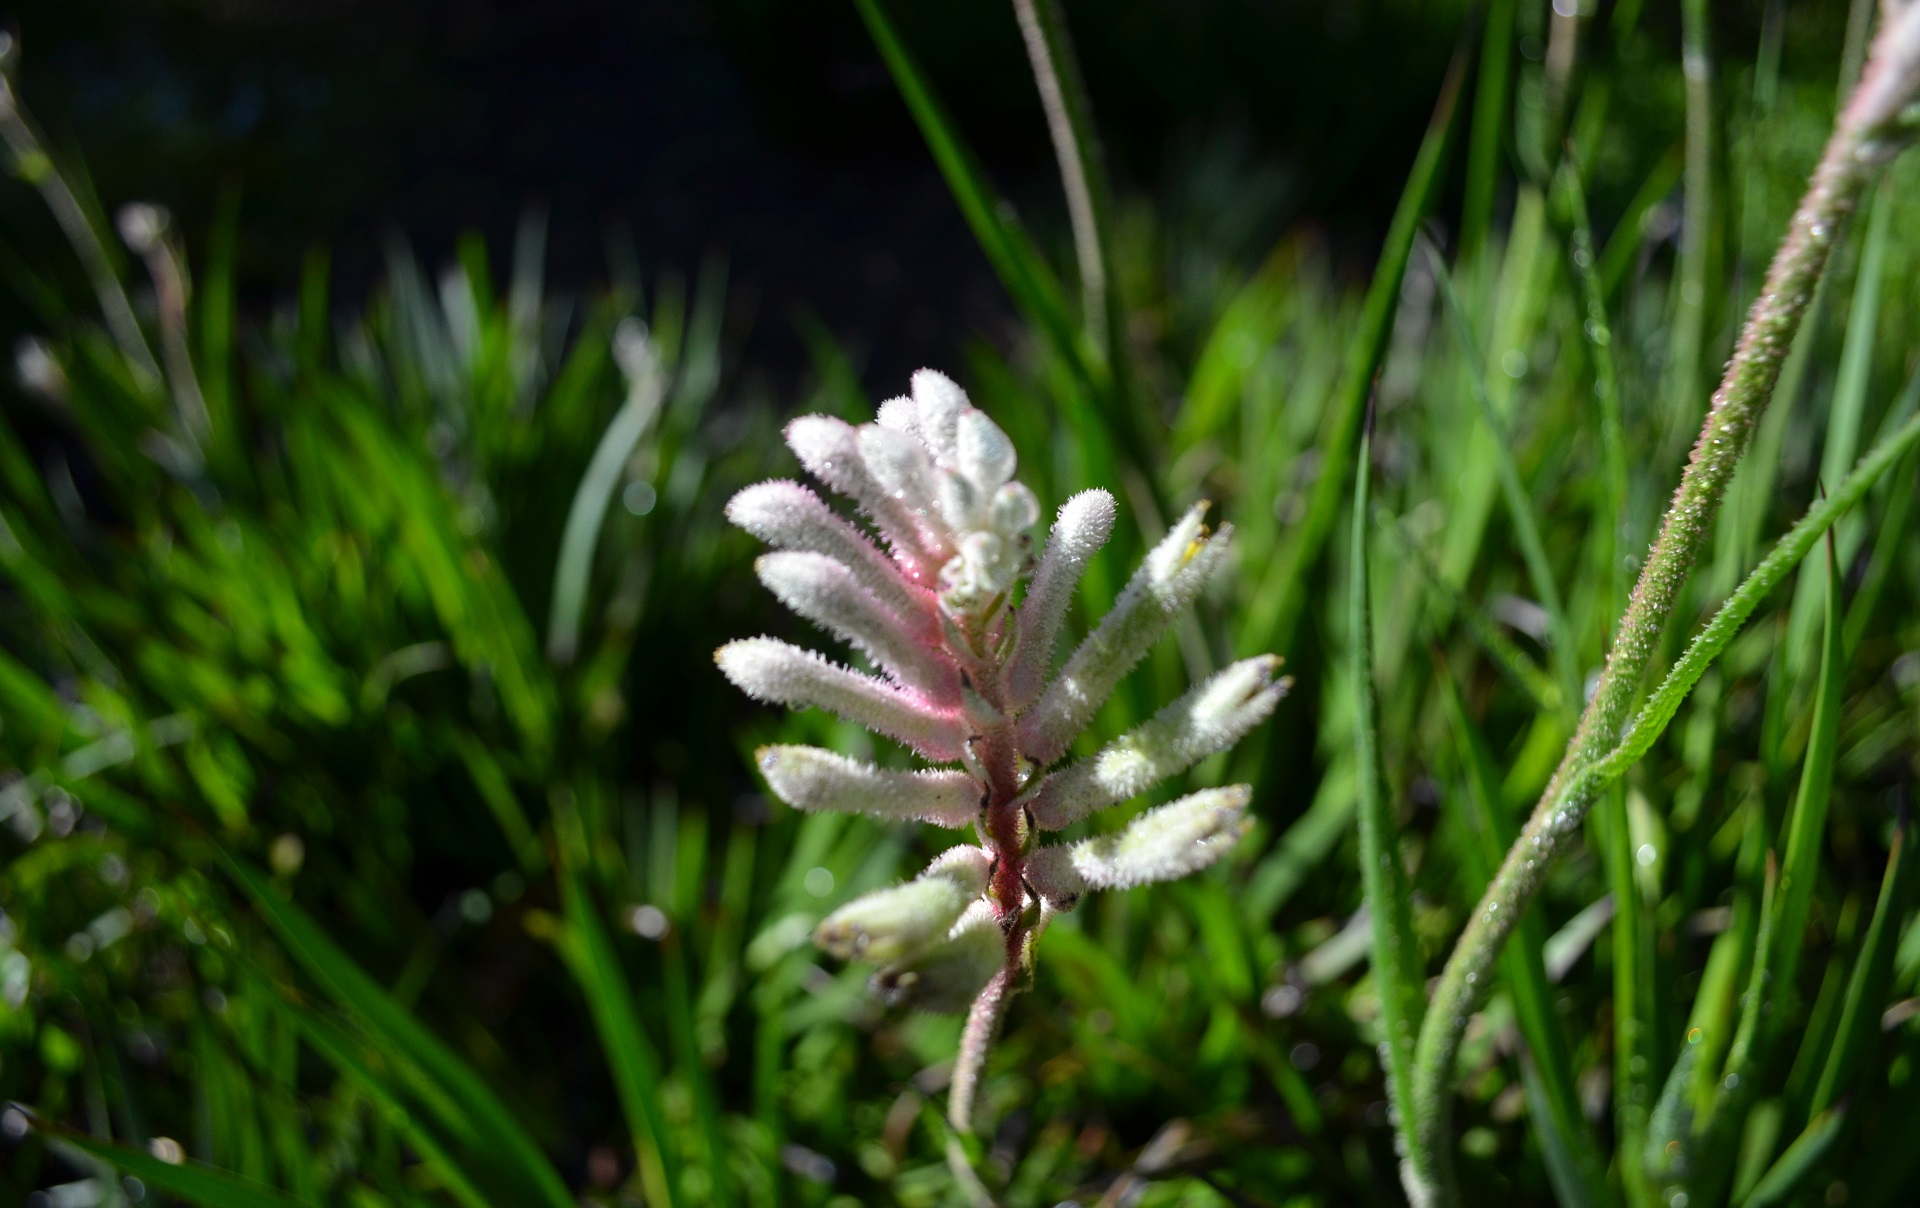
(375, 827)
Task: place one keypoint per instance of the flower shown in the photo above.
(962, 678)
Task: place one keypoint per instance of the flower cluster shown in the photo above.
(963, 679)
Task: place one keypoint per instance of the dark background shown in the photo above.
(767, 134)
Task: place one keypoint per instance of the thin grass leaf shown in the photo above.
(402, 1035)
(1785, 1175)
(1389, 894)
(1867, 984)
(196, 1182)
(1490, 88)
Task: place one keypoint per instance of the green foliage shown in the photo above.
(378, 831)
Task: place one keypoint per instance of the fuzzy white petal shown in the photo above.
(1082, 527)
(1167, 581)
(901, 415)
(1211, 717)
(808, 778)
(771, 670)
(825, 592)
(1162, 844)
(786, 515)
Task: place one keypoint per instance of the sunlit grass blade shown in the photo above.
(1274, 610)
(195, 1182)
(1490, 88)
(1613, 447)
(1389, 894)
(1556, 1114)
(402, 1035)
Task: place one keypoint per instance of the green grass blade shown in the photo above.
(1490, 88)
(581, 537)
(1276, 606)
(633, 1061)
(1798, 1161)
(1526, 525)
(1389, 896)
(1872, 972)
(1613, 440)
(400, 1033)
(196, 1182)
(1807, 825)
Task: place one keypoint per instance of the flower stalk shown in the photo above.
(1875, 124)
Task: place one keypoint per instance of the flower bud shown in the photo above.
(1082, 527)
(893, 924)
(1162, 844)
(940, 403)
(827, 593)
(983, 453)
(949, 974)
(771, 670)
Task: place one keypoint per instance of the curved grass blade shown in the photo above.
(403, 1036)
(1389, 895)
(1872, 971)
(1801, 1157)
(196, 1182)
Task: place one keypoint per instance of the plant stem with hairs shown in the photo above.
(1869, 131)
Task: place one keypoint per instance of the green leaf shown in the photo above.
(404, 1038)
(1397, 972)
(1867, 984)
(1801, 1157)
(207, 1186)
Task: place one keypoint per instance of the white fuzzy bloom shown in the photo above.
(771, 670)
(1162, 844)
(896, 923)
(1168, 581)
(966, 662)
(808, 778)
(1211, 717)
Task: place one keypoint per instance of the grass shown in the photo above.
(379, 832)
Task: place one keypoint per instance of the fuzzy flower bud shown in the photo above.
(893, 924)
(949, 974)
(1162, 844)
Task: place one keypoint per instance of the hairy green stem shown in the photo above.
(1867, 134)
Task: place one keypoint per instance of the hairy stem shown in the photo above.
(1865, 136)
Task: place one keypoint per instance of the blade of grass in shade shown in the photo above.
(1633, 1073)
(1019, 267)
(1623, 246)
(581, 537)
(1845, 418)
(1396, 951)
(632, 1060)
(1867, 984)
(1785, 1175)
(1717, 1137)
(1554, 1097)
(1490, 87)
(1613, 440)
(1716, 1008)
(337, 1050)
(1277, 604)
(490, 781)
(195, 1182)
(1891, 528)
(1807, 825)
(1513, 662)
(1815, 1030)
(1526, 525)
(398, 1031)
